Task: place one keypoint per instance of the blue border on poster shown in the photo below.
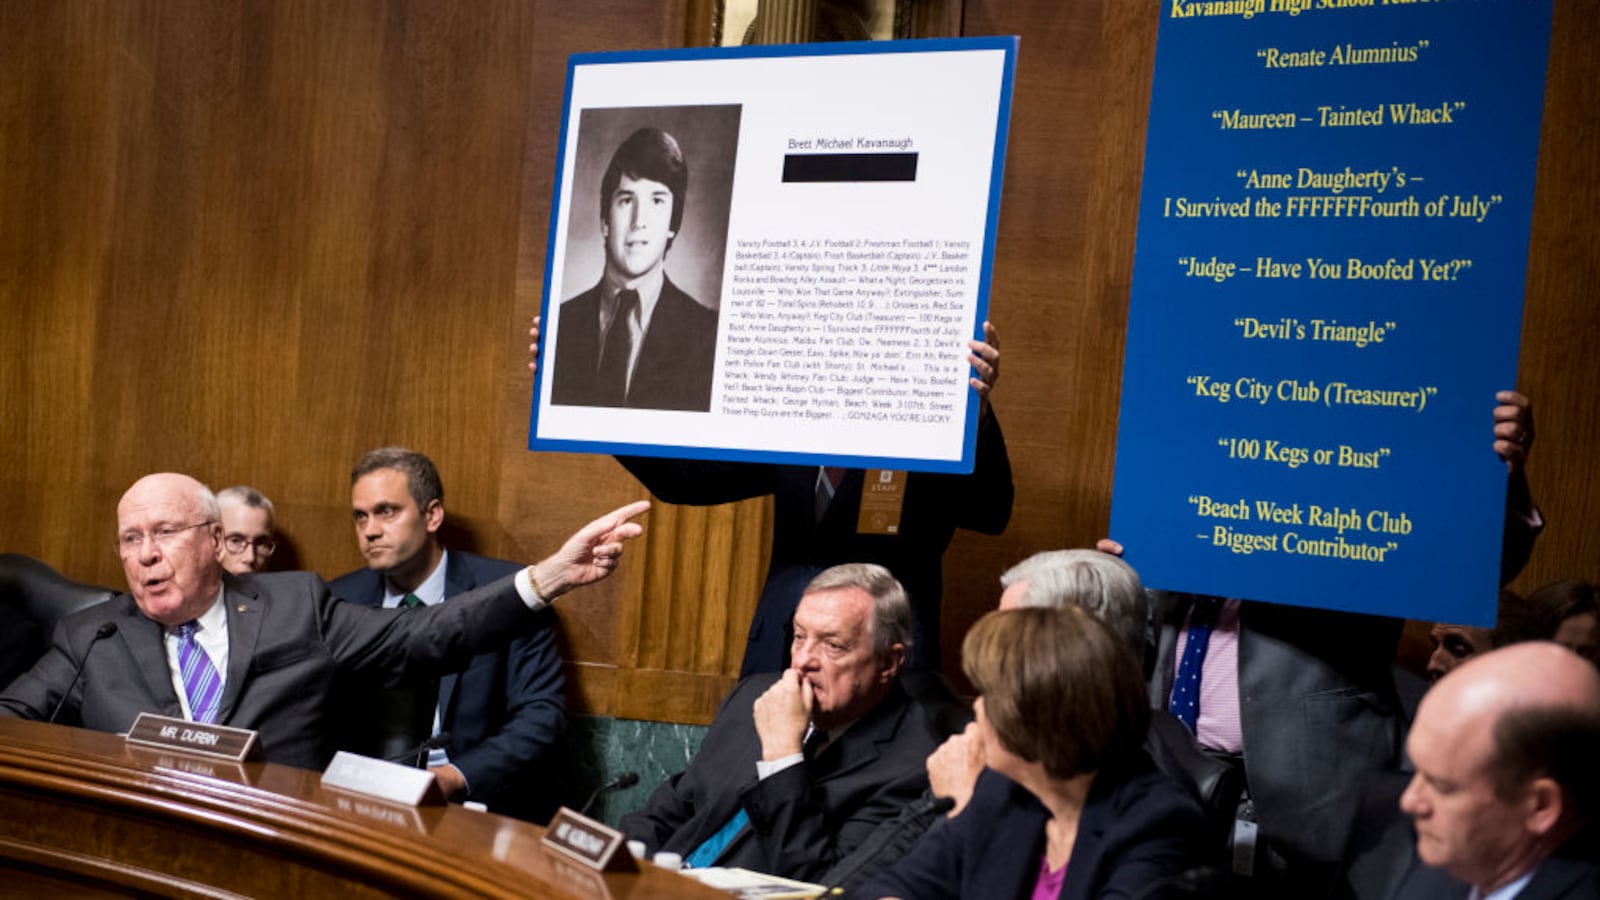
(1437, 486)
(1008, 45)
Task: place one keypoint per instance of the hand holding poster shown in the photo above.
(1327, 296)
(774, 253)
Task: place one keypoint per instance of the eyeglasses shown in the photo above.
(238, 543)
(130, 542)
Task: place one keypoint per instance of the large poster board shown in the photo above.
(1333, 243)
(802, 264)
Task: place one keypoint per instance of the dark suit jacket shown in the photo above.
(1139, 828)
(1318, 710)
(503, 713)
(935, 506)
(675, 362)
(287, 635)
(1572, 873)
(804, 818)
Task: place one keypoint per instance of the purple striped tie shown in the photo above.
(200, 679)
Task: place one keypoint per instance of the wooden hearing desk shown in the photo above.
(83, 814)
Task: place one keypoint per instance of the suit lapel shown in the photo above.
(663, 338)
(1088, 846)
(245, 612)
(1019, 840)
(862, 744)
(368, 589)
(1559, 875)
(1167, 611)
(145, 640)
(1427, 883)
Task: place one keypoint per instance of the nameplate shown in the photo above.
(400, 815)
(237, 744)
(376, 778)
(581, 838)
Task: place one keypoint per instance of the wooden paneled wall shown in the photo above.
(250, 240)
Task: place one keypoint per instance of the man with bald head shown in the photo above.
(260, 651)
(1507, 789)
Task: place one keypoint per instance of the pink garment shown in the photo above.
(1048, 885)
(1218, 724)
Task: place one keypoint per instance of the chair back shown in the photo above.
(33, 597)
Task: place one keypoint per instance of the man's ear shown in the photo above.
(1543, 805)
(894, 659)
(434, 516)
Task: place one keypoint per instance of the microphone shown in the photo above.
(923, 813)
(414, 755)
(621, 782)
(103, 632)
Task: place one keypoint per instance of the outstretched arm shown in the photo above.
(590, 554)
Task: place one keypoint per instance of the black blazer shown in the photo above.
(675, 362)
(806, 817)
(504, 712)
(1139, 828)
(287, 636)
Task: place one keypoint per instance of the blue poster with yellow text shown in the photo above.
(1327, 293)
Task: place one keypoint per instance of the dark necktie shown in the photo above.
(420, 700)
(201, 682)
(814, 743)
(611, 378)
(828, 480)
(1185, 703)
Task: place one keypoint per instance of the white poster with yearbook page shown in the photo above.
(794, 244)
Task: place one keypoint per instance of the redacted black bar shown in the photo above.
(825, 167)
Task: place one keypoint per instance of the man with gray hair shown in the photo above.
(1096, 582)
(800, 766)
(248, 537)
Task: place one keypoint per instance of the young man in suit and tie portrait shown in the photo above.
(636, 339)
